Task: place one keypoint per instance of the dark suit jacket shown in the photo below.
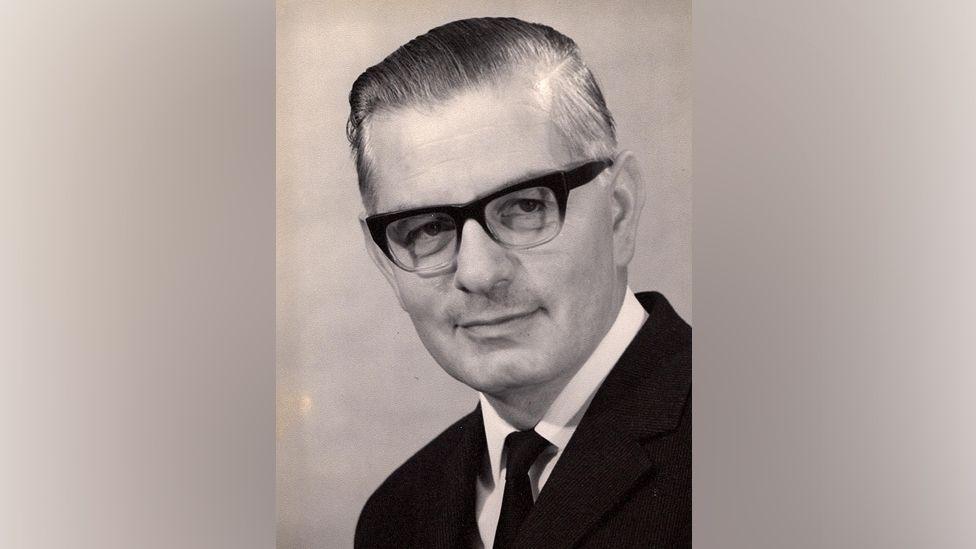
(624, 479)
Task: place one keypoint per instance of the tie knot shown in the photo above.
(523, 448)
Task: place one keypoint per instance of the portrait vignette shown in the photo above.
(357, 392)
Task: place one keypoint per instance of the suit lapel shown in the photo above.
(449, 520)
(643, 396)
(588, 480)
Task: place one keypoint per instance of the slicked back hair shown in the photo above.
(475, 53)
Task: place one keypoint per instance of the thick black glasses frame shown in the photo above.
(560, 183)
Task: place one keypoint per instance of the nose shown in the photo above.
(483, 265)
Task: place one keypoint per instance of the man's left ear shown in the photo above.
(626, 202)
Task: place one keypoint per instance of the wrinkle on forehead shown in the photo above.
(421, 170)
(473, 133)
(435, 152)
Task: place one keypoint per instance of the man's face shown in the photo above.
(498, 319)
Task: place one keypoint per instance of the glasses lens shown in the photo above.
(422, 241)
(525, 217)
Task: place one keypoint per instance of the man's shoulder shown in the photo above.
(429, 460)
(662, 313)
(648, 392)
(413, 485)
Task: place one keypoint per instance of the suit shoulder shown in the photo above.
(427, 461)
(408, 487)
(661, 312)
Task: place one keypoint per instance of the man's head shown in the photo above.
(456, 115)
(475, 54)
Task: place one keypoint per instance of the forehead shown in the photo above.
(466, 147)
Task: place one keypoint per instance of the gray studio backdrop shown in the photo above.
(356, 391)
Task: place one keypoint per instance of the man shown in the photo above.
(504, 219)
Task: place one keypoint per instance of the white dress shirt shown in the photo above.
(558, 423)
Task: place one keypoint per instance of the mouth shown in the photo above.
(497, 325)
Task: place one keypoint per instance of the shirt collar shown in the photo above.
(560, 421)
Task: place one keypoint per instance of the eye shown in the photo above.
(518, 207)
(528, 205)
(431, 229)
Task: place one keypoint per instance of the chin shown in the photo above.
(507, 374)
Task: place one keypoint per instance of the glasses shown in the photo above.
(520, 216)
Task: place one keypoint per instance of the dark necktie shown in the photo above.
(523, 449)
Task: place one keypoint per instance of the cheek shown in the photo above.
(421, 297)
(589, 256)
(573, 280)
(582, 277)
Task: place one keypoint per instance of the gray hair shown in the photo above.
(473, 53)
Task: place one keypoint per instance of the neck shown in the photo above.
(523, 407)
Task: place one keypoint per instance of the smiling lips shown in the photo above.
(496, 324)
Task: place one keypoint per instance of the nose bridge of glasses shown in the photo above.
(474, 230)
(474, 211)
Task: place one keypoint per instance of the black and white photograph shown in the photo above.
(484, 282)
